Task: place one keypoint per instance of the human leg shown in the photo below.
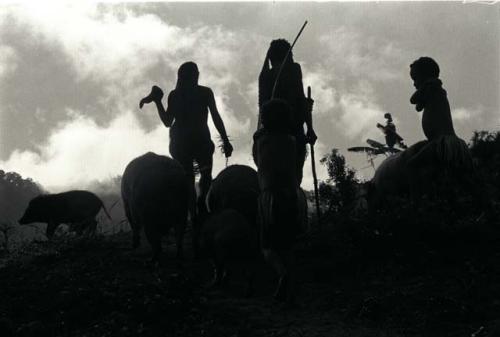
(300, 159)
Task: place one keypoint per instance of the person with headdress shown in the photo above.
(282, 207)
(442, 146)
(287, 86)
(190, 141)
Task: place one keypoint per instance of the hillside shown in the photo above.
(351, 285)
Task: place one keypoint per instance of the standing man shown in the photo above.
(288, 87)
(190, 141)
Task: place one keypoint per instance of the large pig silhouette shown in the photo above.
(155, 197)
(230, 237)
(236, 187)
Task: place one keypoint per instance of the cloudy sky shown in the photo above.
(71, 76)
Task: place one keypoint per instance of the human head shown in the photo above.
(423, 69)
(276, 116)
(388, 116)
(278, 50)
(187, 75)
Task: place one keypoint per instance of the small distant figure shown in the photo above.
(288, 87)
(78, 209)
(190, 141)
(391, 136)
(282, 207)
(443, 144)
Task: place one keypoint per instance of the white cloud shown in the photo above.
(116, 47)
(359, 116)
(81, 152)
(322, 91)
(355, 55)
(462, 115)
(7, 60)
(352, 111)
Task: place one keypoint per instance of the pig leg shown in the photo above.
(154, 239)
(92, 227)
(218, 262)
(136, 230)
(279, 264)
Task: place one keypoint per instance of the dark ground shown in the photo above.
(357, 282)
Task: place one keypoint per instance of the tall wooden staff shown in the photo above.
(313, 167)
(286, 57)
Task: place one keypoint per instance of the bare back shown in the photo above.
(276, 161)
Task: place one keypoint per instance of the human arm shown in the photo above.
(306, 106)
(156, 95)
(219, 124)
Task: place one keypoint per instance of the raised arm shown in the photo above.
(166, 116)
(264, 87)
(219, 124)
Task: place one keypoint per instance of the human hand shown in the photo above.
(309, 104)
(227, 148)
(155, 95)
(311, 136)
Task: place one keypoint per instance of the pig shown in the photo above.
(230, 237)
(235, 187)
(154, 191)
(78, 209)
(231, 242)
(394, 178)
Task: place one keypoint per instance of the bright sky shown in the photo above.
(71, 76)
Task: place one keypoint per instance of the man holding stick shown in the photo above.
(281, 78)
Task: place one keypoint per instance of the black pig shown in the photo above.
(155, 197)
(75, 208)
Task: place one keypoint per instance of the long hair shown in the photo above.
(187, 75)
(278, 50)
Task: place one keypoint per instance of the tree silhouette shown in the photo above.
(339, 190)
(15, 193)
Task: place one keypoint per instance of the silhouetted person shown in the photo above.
(391, 136)
(290, 89)
(190, 141)
(443, 147)
(281, 203)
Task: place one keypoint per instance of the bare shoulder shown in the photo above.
(296, 67)
(205, 90)
(173, 93)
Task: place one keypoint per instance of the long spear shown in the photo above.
(286, 57)
(313, 167)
